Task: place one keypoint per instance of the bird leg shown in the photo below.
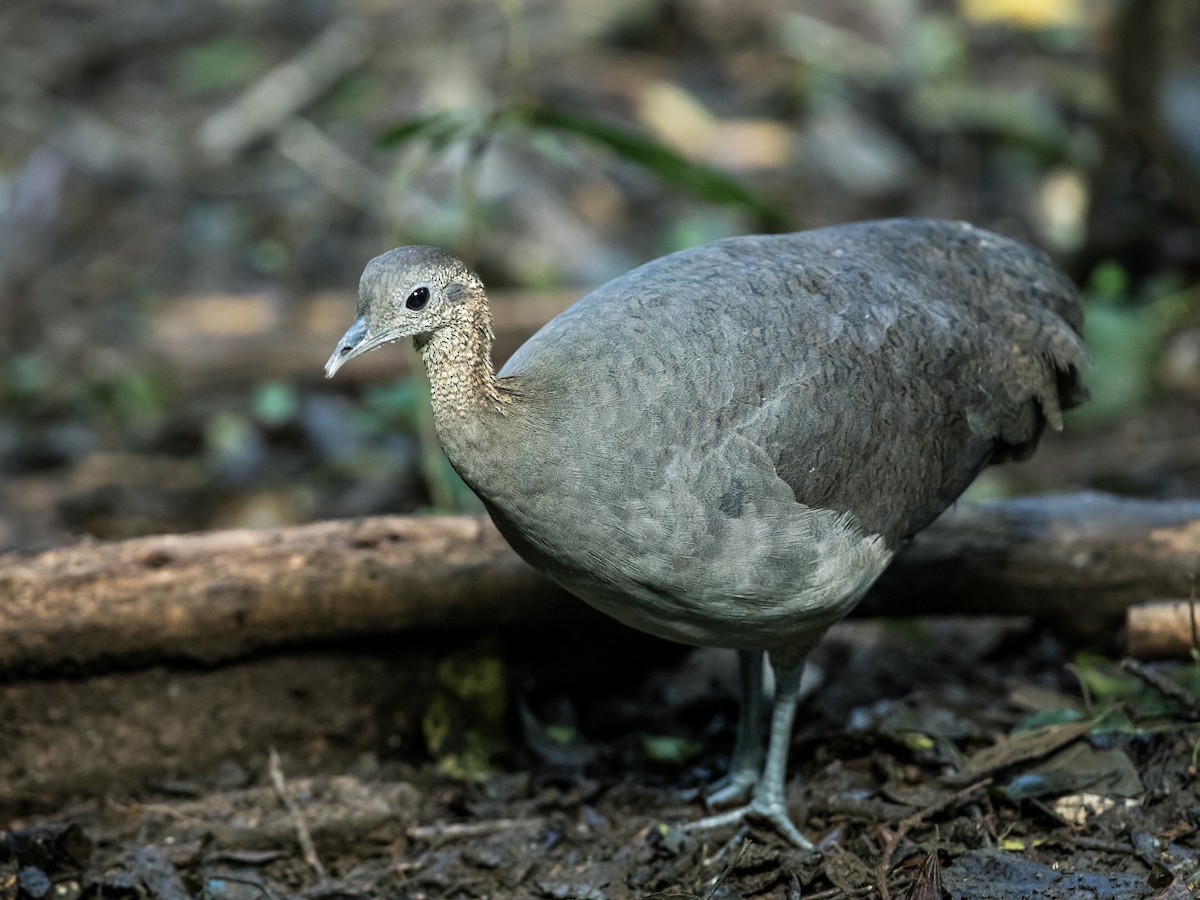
(768, 799)
(748, 745)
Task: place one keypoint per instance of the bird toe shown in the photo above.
(772, 814)
(734, 787)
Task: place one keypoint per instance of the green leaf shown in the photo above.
(275, 403)
(464, 723)
(28, 374)
(538, 122)
(664, 748)
(1124, 343)
(1049, 717)
(438, 129)
(392, 407)
(701, 181)
(1109, 683)
(217, 65)
(1109, 281)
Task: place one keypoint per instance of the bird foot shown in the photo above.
(730, 789)
(774, 814)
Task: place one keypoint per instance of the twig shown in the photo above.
(311, 150)
(285, 90)
(452, 830)
(837, 893)
(307, 848)
(728, 870)
(945, 803)
(245, 857)
(892, 839)
(1163, 684)
(1091, 843)
(250, 882)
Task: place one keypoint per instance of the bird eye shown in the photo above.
(418, 298)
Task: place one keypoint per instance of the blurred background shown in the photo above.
(189, 190)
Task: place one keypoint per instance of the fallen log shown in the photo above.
(1080, 560)
(223, 594)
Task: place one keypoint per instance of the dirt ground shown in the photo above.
(985, 754)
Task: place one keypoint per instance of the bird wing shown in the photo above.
(926, 351)
(878, 366)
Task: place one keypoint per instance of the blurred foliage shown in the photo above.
(139, 399)
(224, 62)
(558, 743)
(565, 142)
(464, 723)
(270, 257)
(27, 378)
(275, 403)
(1108, 684)
(1025, 13)
(1125, 339)
(670, 749)
(1045, 717)
(691, 178)
(534, 122)
(233, 446)
(390, 407)
(403, 406)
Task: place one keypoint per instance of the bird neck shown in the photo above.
(463, 386)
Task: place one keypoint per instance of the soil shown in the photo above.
(896, 774)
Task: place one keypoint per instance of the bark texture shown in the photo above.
(1081, 560)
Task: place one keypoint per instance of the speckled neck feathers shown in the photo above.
(458, 359)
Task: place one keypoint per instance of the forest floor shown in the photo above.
(981, 755)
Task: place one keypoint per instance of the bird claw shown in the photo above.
(731, 788)
(774, 814)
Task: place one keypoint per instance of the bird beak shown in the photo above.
(353, 342)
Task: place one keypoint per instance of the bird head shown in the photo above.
(407, 292)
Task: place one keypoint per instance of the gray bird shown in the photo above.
(726, 445)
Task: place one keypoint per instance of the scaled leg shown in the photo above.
(747, 760)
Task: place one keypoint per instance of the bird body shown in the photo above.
(726, 445)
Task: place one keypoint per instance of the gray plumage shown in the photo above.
(725, 445)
